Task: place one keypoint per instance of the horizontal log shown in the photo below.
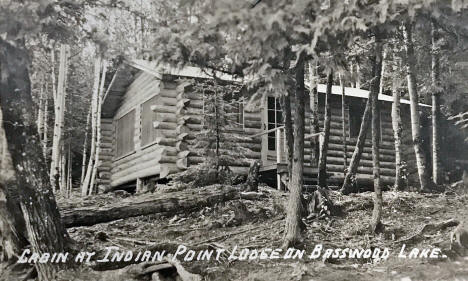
(362, 179)
(362, 162)
(145, 161)
(362, 170)
(109, 134)
(163, 108)
(166, 141)
(104, 175)
(194, 160)
(153, 152)
(140, 171)
(352, 141)
(166, 117)
(350, 147)
(193, 96)
(166, 204)
(164, 125)
(104, 166)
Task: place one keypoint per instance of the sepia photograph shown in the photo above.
(233, 140)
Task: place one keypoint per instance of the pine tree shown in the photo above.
(218, 141)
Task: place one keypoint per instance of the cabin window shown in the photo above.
(232, 105)
(355, 119)
(148, 116)
(275, 119)
(125, 134)
(238, 111)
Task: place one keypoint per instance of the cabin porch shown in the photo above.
(274, 167)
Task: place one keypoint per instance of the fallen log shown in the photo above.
(155, 203)
(428, 228)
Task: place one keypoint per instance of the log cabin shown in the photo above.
(151, 116)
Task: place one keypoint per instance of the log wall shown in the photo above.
(142, 161)
(178, 119)
(106, 153)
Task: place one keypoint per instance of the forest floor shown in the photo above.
(221, 226)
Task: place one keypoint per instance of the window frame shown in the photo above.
(144, 146)
(277, 123)
(118, 157)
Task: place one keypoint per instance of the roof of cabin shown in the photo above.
(125, 75)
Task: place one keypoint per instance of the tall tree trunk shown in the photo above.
(322, 173)
(293, 218)
(45, 138)
(314, 115)
(40, 113)
(423, 171)
(358, 76)
(343, 126)
(397, 134)
(94, 104)
(69, 171)
(85, 145)
(350, 178)
(98, 127)
(12, 226)
(288, 131)
(376, 224)
(63, 174)
(382, 73)
(436, 91)
(45, 231)
(59, 106)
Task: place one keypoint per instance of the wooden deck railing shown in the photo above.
(280, 146)
(280, 135)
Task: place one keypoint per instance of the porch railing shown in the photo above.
(280, 136)
(280, 145)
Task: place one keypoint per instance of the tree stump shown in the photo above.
(251, 184)
(320, 205)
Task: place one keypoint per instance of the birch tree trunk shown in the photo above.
(94, 104)
(85, 145)
(59, 108)
(44, 228)
(322, 173)
(397, 134)
(53, 158)
(376, 224)
(69, 171)
(382, 73)
(293, 218)
(421, 160)
(40, 113)
(63, 174)
(98, 128)
(436, 91)
(358, 76)
(45, 138)
(343, 124)
(314, 115)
